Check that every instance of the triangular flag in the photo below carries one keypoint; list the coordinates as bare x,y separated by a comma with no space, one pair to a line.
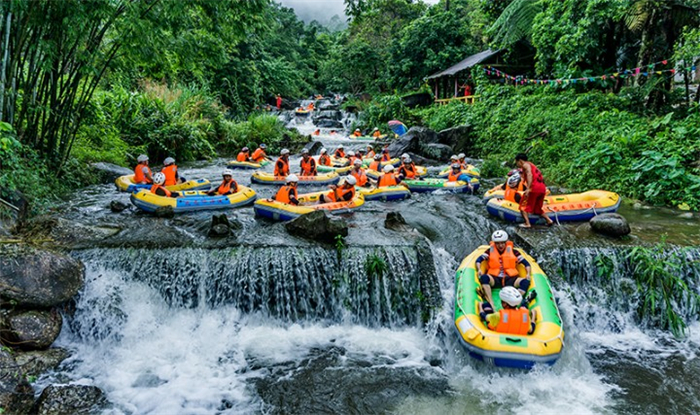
664,62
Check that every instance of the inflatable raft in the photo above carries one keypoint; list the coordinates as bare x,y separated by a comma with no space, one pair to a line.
192,201
497,192
126,184
373,174
394,162
339,170
272,209
367,137
301,112
469,170
339,161
544,345
384,194
432,185
561,208
260,177
247,164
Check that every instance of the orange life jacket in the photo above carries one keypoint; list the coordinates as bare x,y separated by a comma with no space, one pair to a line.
170,173
157,186
452,177
387,179
259,155
284,171
370,154
375,165
386,157
226,187
360,176
283,194
507,260
308,168
325,160
351,160
317,132
357,134
514,321
139,176
409,170
509,193
337,194
339,153
376,134
242,156
310,107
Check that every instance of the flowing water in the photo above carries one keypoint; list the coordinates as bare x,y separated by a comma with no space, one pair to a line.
172,322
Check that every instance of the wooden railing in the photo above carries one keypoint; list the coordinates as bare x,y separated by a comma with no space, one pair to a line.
467,100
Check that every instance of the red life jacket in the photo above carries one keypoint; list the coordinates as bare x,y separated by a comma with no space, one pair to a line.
409,170
139,176
308,167
170,173
284,170
242,156
360,176
507,260
339,153
514,321
224,187
387,179
325,160
453,177
159,186
259,155
283,194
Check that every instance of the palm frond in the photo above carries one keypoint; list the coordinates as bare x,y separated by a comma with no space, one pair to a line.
515,23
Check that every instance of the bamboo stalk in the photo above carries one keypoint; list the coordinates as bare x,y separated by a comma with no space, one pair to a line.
3,76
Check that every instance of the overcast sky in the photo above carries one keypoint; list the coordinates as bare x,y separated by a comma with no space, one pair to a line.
321,10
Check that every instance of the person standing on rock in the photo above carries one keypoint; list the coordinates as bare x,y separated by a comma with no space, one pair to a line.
278,98
307,164
282,164
534,194
142,173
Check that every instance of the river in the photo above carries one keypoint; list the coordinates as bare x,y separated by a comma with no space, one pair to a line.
268,323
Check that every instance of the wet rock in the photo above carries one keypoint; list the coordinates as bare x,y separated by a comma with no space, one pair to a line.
611,224
70,399
219,230
326,123
118,206
14,207
314,147
317,226
16,394
686,215
32,329
33,277
460,138
328,115
109,172
67,233
164,212
395,221
414,140
420,99
325,105
290,104
437,151
37,362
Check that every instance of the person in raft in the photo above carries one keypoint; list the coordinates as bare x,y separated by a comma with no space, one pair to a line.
533,196
307,164
376,133
357,133
317,131
288,192
359,173
502,266
324,159
385,155
228,186
259,154
142,173
408,167
456,175
244,155
389,178
159,189
370,152
514,316
339,152
376,164
172,175
343,193
453,159
282,164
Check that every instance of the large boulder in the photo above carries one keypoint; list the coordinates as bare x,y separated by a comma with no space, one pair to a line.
109,172
325,105
419,99
118,206
317,226
314,147
611,224
16,394
68,233
31,329
396,222
413,141
71,399
37,362
460,138
36,278
14,208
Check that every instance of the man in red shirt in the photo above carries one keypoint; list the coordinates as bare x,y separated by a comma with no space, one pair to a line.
533,196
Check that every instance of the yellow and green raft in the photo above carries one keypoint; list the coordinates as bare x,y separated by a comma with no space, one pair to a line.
384,194
272,209
544,345
468,169
260,177
234,164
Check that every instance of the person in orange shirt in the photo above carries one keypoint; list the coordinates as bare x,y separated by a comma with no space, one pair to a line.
172,175
352,157
376,164
324,159
142,173
307,164
259,154
310,107
357,133
244,155
385,155
228,186
342,193
376,133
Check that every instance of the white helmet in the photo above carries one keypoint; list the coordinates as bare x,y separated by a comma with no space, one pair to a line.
305,151
511,296
357,129
369,146
377,156
499,236
404,155
244,149
284,151
514,180
227,172
351,180
388,168
357,162
406,159
351,153
462,155
323,150
159,178
142,158
341,146
456,165
376,129
454,157
292,178
168,161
